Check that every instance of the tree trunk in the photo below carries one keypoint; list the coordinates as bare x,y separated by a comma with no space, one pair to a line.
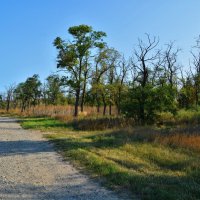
98,104
197,98
104,109
119,102
8,105
76,102
83,96
142,110
110,109
98,108
23,107
104,105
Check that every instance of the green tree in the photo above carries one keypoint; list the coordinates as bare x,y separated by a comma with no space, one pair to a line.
73,56
187,94
54,93
28,92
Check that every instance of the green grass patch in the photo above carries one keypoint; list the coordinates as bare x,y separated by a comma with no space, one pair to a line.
44,124
128,159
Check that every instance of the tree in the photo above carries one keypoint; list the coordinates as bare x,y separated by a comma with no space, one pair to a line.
170,63
187,94
9,95
54,93
98,80
154,86
144,61
112,62
195,69
73,56
28,92
121,75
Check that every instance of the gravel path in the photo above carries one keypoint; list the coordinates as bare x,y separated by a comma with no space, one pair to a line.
30,169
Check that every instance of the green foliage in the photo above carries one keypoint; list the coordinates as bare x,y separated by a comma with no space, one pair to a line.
28,92
73,57
187,95
143,103
55,95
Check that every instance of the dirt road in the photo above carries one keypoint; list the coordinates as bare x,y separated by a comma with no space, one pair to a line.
31,169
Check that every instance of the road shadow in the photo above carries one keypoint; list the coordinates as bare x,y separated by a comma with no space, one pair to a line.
8,120
24,147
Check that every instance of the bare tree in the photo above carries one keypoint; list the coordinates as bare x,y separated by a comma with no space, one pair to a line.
145,56
9,94
171,66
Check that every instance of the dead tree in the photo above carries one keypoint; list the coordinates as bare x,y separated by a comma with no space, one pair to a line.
9,94
171,66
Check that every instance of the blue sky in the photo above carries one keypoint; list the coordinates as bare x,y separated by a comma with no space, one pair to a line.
28,28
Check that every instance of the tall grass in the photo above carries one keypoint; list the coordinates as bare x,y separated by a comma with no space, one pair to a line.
57,110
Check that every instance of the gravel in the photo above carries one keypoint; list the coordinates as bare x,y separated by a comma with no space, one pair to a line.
31,169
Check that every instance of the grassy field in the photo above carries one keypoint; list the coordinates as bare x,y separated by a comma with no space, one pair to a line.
151,163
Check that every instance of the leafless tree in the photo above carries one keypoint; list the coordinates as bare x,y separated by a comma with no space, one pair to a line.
171,66
9,94
145,56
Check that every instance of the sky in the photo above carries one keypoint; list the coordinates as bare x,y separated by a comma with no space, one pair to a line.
29,27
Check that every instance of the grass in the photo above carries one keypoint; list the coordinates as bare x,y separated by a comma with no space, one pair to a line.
151,164
43,124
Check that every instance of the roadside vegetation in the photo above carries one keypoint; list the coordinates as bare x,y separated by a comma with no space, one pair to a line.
152,163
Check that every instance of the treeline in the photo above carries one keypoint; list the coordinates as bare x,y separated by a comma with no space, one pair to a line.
91,73
32,92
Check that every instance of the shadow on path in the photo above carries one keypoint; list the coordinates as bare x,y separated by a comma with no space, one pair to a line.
24,147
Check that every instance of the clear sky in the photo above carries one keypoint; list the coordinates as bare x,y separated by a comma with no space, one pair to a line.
28,28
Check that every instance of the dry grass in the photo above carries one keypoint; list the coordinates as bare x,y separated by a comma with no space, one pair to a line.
179,140
101,123
87,120
185,137
59,111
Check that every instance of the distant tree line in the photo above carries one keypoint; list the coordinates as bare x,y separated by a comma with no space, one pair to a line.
91,73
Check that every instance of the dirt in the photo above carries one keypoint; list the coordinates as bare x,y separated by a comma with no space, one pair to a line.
31,169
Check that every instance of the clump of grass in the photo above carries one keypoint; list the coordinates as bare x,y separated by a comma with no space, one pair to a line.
165,118
182,117
184,140
188,117
101,123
